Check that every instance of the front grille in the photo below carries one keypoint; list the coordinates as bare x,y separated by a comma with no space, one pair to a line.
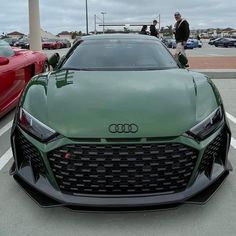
213,152
122,169
28,155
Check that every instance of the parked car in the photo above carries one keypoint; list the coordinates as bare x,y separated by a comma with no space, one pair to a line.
10,41
196,43
189,44
22,43
199,43
17,66
65,43
51,44
213,40
119,124
169,42
225,42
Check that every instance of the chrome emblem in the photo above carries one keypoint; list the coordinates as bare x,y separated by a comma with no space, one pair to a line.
123,128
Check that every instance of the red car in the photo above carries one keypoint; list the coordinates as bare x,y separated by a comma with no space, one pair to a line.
17,66
51,44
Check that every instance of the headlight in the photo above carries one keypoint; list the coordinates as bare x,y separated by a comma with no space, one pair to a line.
206,127
34,127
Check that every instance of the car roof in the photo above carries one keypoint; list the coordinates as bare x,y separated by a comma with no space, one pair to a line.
119,36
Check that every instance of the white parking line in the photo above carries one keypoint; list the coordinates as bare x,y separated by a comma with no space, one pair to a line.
5,158
232,118
6,127
233,142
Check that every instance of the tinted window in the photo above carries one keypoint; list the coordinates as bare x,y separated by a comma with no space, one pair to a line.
120,54
5,49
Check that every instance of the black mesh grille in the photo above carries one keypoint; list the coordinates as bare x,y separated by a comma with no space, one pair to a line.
122,169
213,152
28,154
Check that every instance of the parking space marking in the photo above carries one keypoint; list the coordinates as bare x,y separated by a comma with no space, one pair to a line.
233,142
232,118
5,128
5,158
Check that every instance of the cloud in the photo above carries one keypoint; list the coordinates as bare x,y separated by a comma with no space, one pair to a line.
57,16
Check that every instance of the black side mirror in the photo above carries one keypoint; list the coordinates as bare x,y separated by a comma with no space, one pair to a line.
53,60
183,60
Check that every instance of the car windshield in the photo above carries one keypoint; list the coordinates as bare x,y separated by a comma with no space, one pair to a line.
5,49
124,54
23,40
52,40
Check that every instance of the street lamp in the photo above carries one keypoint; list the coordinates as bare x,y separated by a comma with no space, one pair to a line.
86,16
103,13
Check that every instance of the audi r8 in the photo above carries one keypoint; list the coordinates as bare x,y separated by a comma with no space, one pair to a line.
120,124
17,66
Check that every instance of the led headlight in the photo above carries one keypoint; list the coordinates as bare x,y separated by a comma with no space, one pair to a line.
34,127
206,127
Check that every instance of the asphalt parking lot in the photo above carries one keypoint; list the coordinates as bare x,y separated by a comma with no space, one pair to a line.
21,216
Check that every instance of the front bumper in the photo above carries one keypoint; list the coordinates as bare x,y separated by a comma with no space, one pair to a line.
43,186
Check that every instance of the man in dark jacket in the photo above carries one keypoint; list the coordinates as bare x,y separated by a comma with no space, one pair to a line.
153,30
144,30
181,31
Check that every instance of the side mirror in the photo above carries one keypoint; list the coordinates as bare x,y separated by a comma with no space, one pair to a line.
183,60
53,60
4,61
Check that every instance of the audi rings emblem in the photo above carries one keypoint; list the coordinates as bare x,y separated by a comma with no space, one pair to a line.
123,128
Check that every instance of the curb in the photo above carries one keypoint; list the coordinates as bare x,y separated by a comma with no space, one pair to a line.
218,74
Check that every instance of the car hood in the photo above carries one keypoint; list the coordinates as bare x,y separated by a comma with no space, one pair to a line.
85,103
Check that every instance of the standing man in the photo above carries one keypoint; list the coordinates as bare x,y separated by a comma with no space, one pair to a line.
144,30
181,31
153,30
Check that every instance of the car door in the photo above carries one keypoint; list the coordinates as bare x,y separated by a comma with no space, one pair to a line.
11,78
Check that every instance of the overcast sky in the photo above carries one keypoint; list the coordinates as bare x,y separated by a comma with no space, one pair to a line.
60,15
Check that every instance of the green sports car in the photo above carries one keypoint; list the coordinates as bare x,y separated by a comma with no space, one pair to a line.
119,124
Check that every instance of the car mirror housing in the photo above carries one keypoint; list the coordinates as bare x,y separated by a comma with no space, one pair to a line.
54,59
4,61
182,59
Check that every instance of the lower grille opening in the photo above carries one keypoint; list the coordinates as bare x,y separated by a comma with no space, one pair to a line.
214,152
28,155
122,169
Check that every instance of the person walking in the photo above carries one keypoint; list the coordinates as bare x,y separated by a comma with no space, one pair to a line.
144,30
181,32
153,30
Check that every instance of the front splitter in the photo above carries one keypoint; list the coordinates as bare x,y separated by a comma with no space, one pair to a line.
46,202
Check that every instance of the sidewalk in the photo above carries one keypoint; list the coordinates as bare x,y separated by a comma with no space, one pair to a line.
223,67
222,62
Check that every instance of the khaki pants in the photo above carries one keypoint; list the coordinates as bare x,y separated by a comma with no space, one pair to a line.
179,48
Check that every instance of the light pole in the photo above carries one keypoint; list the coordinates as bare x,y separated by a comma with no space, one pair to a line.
34,25
103,13
86,16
